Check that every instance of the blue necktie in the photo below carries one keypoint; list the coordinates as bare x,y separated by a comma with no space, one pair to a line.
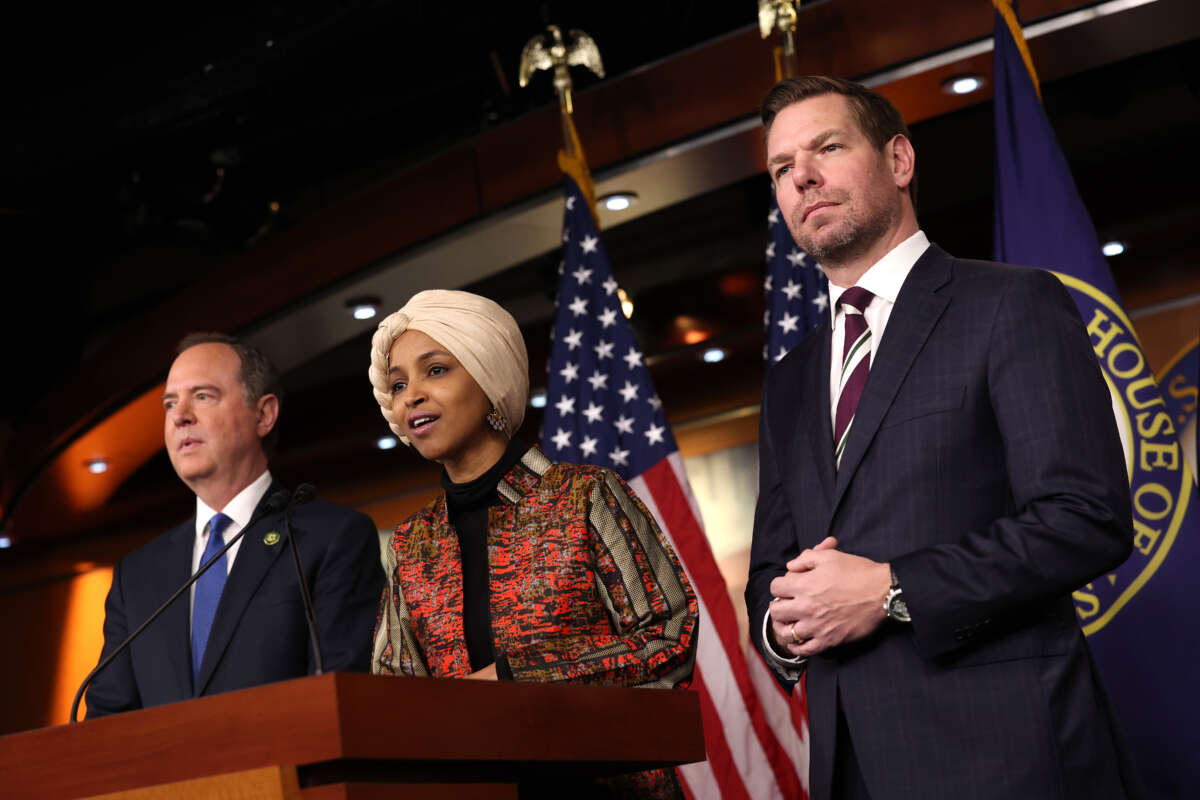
208,590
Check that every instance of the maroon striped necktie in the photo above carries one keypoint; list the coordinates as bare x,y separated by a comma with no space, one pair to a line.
856,363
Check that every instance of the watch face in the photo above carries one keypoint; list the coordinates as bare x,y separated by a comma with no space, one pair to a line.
898,609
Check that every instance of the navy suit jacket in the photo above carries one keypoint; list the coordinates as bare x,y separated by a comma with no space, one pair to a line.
259,634
984,463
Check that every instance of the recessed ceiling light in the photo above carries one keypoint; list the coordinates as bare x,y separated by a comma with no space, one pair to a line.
97,466
618,201
5,542
963,84
1113,248
538,399
714,354
363,307
387,442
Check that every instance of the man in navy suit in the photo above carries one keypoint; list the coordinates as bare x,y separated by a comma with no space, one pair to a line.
243,623
939,470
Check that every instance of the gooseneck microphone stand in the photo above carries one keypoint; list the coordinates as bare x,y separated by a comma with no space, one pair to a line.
304,492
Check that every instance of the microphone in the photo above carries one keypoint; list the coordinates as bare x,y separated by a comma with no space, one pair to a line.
304,492
277,502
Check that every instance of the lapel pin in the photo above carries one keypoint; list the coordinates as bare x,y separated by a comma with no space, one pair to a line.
271,538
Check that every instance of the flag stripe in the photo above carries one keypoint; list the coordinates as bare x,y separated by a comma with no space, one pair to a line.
720,758
698,781
776,703
750,761
676,516
799,707
787,714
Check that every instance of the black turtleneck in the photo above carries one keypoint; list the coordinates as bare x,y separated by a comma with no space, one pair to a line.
467,506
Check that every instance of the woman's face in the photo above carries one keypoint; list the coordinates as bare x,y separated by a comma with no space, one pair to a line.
435,400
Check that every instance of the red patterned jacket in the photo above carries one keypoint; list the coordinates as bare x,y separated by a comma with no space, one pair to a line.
584,586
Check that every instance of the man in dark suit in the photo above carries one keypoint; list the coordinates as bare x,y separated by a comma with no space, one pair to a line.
243,623
939,470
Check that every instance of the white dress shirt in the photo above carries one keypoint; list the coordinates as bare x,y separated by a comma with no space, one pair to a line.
883,279
239,510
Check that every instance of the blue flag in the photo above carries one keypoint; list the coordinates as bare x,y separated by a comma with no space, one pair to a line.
796,289
1139,619
1180,382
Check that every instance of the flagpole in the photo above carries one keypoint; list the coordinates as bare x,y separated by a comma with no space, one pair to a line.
550,50
796,289
1005,9
780,15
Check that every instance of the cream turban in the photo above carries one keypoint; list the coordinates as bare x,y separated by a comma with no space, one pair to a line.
478,332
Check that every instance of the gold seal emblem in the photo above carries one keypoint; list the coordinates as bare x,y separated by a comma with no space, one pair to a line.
1160,479
271,538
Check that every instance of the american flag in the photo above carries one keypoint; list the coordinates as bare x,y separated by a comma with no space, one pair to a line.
601,408
796,289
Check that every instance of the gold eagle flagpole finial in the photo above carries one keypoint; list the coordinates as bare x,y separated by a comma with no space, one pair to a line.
780,15
550,50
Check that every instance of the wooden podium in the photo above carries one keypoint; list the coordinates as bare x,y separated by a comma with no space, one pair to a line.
359,737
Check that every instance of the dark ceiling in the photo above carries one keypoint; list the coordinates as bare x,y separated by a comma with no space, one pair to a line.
118,121
111,198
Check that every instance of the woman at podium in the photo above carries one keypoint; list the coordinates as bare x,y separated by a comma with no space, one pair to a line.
521,569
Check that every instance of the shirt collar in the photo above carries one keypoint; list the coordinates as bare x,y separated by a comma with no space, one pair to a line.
240,509
885,277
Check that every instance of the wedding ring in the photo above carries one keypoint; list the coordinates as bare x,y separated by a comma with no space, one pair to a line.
795,638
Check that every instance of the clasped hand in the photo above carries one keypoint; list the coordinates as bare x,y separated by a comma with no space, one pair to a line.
827,598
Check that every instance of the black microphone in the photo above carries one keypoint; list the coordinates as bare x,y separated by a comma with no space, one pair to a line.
275,503
304,492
